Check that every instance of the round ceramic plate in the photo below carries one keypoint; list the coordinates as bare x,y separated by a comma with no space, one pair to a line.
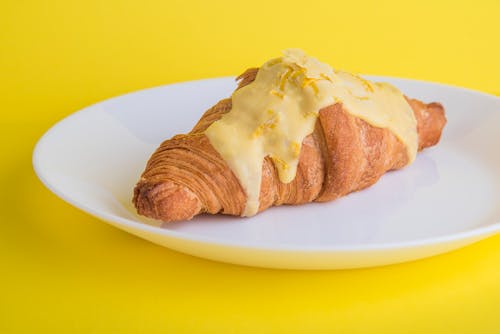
447,199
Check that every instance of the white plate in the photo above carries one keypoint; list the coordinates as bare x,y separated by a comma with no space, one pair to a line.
447,199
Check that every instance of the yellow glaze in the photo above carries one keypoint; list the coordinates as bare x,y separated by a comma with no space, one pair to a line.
272,115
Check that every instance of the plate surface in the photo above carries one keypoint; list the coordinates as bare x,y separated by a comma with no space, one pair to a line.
447,199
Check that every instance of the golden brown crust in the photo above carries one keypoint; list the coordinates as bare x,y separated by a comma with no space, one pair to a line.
186,176
430,122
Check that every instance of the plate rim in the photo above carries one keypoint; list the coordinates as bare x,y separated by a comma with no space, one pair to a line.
479,232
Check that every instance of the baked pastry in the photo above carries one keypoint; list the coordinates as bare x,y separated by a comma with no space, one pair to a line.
294,131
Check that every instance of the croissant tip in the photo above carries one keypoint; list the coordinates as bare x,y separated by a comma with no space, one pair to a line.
166,201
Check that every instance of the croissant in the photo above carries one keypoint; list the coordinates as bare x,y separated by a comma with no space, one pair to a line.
186,176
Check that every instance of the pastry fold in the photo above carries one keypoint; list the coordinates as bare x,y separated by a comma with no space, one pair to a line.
186,176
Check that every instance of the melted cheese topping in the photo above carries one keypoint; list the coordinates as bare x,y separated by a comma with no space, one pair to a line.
272,115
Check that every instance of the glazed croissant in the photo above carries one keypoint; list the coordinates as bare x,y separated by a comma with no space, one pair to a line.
186,176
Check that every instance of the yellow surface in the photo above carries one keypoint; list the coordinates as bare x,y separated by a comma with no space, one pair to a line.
62,271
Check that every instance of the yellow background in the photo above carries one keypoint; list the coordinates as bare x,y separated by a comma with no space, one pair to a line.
64,271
